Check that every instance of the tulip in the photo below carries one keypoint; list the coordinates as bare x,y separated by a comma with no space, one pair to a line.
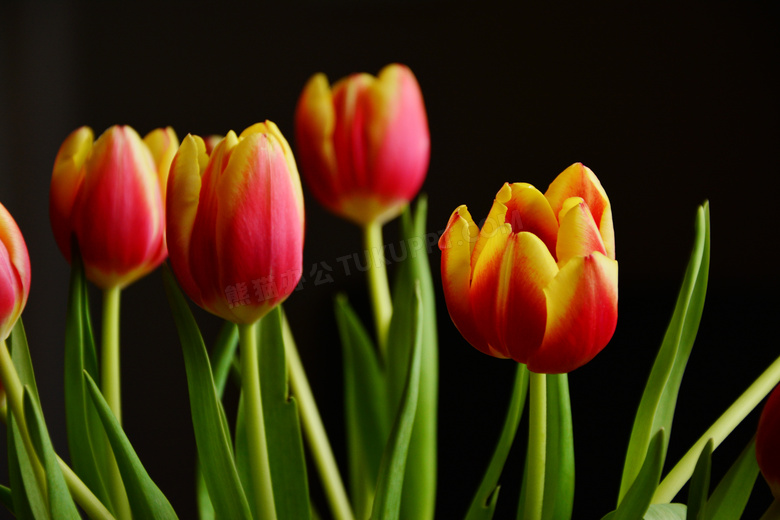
767,438
363,144
109,194
538,282
236,223
14,274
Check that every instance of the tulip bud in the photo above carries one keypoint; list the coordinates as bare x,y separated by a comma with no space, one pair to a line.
363,145
14,273
109,194
235,222
538,282
768,442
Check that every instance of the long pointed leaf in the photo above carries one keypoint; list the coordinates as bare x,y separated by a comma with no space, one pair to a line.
365,406
699,488
729,499
28,498
146,499
484,503
656,409
282,426
61,504
211,436
6,499
391,473
637,500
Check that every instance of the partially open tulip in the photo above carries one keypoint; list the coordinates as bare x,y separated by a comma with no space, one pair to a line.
14,274
768,442
236,223
109,194
538,282
363,144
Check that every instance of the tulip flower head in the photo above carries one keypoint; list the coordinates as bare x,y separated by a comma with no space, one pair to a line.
768,442
363,144
538,282
14,274
109,194
236,222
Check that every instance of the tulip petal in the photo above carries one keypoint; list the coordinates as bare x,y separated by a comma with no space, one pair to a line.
528,210
14,273
578,235
66,181
579,181
456,244
581,314
162,143
767,449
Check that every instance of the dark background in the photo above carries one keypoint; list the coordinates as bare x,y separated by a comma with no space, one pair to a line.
669,105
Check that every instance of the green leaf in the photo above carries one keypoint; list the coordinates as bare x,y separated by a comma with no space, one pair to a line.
637,500
282,426
483,505
146,499
729,499
391,472
6,499
656,409
20,354
86,440
211,435
365,406
699,487
666,512
61,504
29,501
419,494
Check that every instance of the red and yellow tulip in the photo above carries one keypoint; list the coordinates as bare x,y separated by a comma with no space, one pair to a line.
236,222
14,274
363,144
538,282
768,442
109,194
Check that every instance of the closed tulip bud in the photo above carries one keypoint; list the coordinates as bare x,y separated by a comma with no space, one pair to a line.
14,274
109,194
768,442
538,282
236,223
363,144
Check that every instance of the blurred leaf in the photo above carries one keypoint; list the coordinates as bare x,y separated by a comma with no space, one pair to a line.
86,441
282,426
146,499
391,472
666,512
20,354
28,499
656,409
61,505
419,493
483,505
699,486
6,499
729,499
211,435
637,500
365,406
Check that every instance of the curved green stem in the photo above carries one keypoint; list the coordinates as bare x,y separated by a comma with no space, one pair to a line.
537,447
110,374
379,287
315,433
719,430
773,513
260,469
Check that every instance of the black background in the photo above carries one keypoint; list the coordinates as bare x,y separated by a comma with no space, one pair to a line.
669,105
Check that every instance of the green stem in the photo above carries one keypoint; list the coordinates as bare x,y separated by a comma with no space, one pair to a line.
83,495
537,447
315,433
377,281
260,469
720,429
110,376
773,513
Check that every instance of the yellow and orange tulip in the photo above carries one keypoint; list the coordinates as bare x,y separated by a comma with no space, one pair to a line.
363,144
14,274
109,194
538,282
236,222
767,442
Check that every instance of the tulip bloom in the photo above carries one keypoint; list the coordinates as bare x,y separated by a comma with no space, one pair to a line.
363,145
14,274
538,282
767,442
109,194
236,223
